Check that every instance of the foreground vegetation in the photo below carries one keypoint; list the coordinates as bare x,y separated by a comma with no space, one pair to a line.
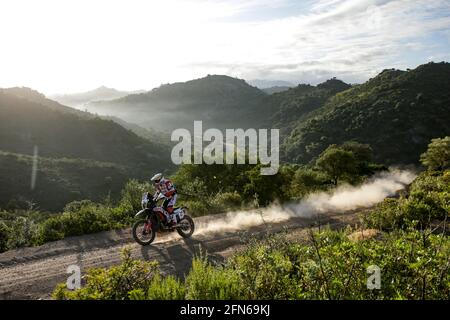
328,265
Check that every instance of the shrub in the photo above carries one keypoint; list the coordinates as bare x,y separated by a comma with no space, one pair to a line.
24,233
51,230
168,288
90,218
4,236
386,215
226,201
207,282
428,201
306,181
114,283
265,273
120,216
82,217
197,208
268,188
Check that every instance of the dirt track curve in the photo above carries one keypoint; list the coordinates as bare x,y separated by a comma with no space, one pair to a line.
32,273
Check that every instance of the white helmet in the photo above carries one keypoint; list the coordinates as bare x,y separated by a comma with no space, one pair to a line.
157,177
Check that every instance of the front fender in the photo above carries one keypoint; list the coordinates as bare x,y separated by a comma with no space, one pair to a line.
146,211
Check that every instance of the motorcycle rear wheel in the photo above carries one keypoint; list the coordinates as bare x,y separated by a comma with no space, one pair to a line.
140,235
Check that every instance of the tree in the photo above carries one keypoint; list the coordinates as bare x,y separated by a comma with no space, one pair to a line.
437,156
337,163
268,188
363,152
306,180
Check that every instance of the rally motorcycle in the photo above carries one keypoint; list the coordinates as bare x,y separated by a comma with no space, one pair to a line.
152,219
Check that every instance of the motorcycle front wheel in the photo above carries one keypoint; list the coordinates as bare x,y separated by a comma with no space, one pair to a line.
142,233
186,227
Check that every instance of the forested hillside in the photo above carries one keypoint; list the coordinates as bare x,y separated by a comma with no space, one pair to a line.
80,156
58,181
24,124
397,113
296,104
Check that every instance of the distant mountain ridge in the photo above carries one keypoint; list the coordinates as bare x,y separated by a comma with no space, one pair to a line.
219,101
265,84
37,97
275,89
78,100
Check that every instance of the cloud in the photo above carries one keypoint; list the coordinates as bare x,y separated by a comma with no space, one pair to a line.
351,39
78,45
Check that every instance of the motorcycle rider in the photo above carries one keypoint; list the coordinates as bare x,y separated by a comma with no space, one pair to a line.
166,187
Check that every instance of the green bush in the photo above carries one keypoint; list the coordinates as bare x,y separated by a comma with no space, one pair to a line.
264,272
428,201
114,283
168,288
205,282
221,202
197,208
90,218
25,232
306,181
386,215
120,216
4,236
224,201
337,163
51,230
83,217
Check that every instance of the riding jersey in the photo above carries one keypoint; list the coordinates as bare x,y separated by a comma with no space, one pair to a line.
166,187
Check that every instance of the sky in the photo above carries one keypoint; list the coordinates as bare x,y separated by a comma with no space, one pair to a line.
65,46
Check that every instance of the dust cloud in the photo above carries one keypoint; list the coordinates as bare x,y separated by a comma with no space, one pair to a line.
342,199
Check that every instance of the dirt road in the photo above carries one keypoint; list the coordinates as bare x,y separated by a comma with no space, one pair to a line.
32,273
